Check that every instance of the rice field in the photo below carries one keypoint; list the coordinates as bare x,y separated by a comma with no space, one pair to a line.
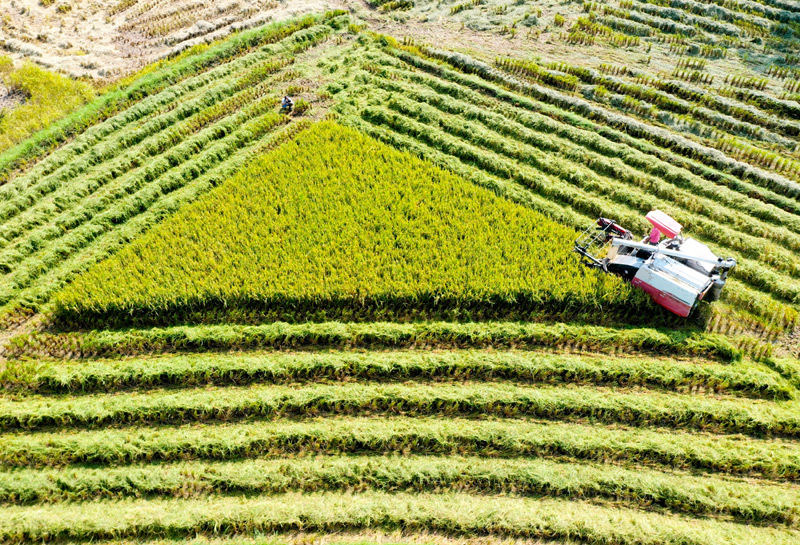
362,322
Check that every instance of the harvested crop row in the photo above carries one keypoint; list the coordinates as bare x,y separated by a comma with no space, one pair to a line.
198,369
642,488
658,136
346,537
468,399
773,459
375,335
454,514
666,94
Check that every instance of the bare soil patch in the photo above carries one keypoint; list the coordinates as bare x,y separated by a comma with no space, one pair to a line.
105,40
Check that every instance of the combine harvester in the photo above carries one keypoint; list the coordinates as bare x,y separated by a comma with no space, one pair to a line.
677,273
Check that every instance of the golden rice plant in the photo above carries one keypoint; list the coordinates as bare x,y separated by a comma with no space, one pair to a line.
337,225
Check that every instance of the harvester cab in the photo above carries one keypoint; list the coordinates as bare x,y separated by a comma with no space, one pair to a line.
677,272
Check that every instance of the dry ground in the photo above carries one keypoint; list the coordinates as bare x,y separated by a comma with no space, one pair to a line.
106,39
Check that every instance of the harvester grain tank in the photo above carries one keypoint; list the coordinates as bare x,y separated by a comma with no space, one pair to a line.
677,272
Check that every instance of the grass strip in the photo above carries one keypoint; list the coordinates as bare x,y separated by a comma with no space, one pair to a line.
375,335
641,488
476,400
430,436
452,514
186,370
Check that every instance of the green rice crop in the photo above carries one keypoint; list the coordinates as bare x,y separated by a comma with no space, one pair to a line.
274,367
323,236
374,335
452,514
789,368
643,488
775,459
536,410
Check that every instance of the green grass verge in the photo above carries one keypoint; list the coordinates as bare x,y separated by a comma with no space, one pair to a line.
48,97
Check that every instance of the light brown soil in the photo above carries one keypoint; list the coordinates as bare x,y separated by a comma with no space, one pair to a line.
107,39
102,40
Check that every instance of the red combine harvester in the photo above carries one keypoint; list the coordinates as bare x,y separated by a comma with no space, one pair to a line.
677,273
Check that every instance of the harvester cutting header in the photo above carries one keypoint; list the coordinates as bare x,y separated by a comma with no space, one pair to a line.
677,273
